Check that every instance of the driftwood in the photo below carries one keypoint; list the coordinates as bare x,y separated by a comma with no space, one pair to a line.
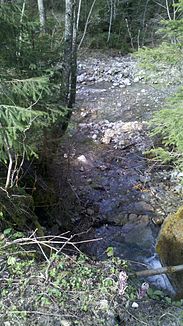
158,271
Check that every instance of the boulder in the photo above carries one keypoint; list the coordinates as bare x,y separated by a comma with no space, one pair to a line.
170,247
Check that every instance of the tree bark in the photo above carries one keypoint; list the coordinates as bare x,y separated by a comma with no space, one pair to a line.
42,15
65,87
87,22
72,11
73,81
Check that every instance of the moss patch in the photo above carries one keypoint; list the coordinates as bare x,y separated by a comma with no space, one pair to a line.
170,245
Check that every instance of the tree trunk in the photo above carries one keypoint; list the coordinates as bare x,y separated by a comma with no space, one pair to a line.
73,81
70,53
67,50
42,15
87,23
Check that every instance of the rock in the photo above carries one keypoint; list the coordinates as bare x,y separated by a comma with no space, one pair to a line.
133,217
115,84
90,211
158,220
143,207
136,79
126,82
82,159
65,323
94,136
106,139
135,305
103,167
118,219
169,246
139,235
81,78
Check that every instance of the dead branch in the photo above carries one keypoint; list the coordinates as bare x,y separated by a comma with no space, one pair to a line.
158,271
53,243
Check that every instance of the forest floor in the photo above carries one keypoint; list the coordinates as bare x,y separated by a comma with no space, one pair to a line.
110,191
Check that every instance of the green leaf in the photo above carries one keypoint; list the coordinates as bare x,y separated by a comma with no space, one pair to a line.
11,260
7,231
110,252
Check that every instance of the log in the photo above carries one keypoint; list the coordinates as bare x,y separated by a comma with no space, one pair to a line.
158,271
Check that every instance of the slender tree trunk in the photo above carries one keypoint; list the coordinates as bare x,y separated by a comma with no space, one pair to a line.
110,20
78,13
42,15
73,81
65,87
87,22
21,20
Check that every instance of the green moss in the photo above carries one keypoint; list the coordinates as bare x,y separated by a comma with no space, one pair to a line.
170,245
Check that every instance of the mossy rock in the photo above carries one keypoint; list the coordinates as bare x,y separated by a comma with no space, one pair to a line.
170,246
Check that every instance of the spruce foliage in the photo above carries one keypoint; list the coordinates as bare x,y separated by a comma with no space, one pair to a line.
29,101
168,122
27,85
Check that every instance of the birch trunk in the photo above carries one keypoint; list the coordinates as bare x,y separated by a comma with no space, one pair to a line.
42,15
67,49
73,81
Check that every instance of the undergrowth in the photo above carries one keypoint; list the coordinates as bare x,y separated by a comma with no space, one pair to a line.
68,290
166,125
62,288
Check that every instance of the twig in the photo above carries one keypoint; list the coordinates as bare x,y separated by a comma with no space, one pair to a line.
40,247
141,321
50,242
39,313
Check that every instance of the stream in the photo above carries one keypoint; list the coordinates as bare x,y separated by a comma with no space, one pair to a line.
121,196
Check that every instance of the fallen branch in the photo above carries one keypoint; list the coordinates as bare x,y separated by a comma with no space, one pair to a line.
158,271
53,243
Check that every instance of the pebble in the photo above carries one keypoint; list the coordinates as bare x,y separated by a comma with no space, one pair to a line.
120,74
65,323
82,159
135,305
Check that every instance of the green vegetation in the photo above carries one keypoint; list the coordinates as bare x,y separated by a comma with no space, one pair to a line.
30,102
40,282
41,287
63,287
166,124
124,25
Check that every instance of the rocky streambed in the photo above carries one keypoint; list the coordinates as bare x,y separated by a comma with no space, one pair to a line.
120,195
